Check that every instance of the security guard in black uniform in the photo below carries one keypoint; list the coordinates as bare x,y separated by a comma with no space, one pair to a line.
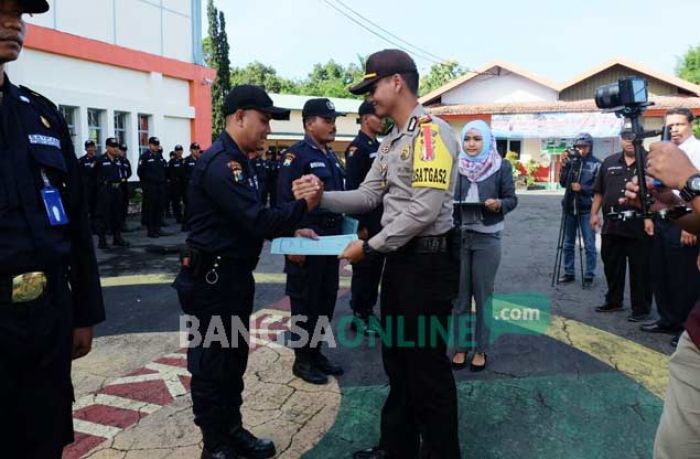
152,173
109,173
274,163
312,282
358,161
87,172
176,182
50,292
262,171
228,226
189,165
126,173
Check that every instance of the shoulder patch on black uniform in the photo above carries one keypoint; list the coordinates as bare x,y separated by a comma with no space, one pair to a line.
289,159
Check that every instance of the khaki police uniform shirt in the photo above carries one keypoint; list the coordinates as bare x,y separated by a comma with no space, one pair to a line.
414,179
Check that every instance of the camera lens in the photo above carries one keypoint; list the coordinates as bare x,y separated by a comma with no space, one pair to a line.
608,96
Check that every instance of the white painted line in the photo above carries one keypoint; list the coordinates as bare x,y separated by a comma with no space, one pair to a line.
176,355
97,430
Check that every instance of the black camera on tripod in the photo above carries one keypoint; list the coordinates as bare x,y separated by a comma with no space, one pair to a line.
627,94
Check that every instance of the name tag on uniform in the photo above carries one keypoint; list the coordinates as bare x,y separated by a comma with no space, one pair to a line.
37,139
150,160
54,206
317,165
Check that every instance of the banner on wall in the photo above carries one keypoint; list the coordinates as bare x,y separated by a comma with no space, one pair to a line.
555,125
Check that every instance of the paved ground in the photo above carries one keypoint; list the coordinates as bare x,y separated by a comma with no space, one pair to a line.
589,386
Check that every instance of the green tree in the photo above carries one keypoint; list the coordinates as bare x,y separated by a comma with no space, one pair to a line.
331,79
218,59
689,67
440,74
265,76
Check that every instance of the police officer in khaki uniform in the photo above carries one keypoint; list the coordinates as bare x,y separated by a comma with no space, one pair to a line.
414,175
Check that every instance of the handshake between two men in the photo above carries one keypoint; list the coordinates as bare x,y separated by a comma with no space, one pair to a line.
310,188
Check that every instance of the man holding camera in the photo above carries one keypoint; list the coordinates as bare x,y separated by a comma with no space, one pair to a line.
578,171
675,278
679,427
623,239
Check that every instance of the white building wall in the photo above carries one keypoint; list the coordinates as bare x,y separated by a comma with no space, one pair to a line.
84,85
162,27
506,88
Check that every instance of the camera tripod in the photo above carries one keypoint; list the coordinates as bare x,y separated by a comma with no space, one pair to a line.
574,176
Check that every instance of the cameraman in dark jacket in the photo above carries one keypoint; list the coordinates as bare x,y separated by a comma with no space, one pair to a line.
578,173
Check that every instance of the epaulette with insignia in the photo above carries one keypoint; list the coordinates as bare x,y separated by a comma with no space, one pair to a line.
40,97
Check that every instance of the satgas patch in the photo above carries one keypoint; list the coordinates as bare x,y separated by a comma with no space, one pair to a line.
432,163
288,159
237,170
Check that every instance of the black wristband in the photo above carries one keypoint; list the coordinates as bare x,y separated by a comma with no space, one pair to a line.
367,249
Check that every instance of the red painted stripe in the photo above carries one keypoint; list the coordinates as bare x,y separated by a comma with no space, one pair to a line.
154,392
83,444
180,363
108,416
142,371
187,382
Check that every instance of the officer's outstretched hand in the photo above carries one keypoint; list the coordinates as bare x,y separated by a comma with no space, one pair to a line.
353,252
82,342
306,232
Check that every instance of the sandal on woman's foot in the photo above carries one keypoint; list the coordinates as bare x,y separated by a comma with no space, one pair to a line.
476,368
459,365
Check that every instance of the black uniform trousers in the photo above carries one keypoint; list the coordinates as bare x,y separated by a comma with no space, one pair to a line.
422,403
675,276
153,205
110,209
125,203
312,290
90,194
176,194
364,287
217,368
616,251
36,393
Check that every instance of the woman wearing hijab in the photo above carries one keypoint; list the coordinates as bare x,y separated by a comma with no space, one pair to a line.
484,193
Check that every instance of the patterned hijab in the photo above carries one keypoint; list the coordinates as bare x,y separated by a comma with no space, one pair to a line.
487,162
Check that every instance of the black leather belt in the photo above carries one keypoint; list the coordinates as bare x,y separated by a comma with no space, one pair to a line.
203,263
426,244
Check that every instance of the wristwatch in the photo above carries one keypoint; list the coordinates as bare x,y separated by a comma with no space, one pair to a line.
367,249
691,190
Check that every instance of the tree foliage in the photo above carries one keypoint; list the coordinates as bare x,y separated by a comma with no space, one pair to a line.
439,75
217,56
689,67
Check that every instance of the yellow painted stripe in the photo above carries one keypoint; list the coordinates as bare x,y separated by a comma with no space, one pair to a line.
156,279
646,366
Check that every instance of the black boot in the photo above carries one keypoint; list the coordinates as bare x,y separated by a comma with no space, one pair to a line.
249,446
222,452
305,369
119,241
217,445
327,367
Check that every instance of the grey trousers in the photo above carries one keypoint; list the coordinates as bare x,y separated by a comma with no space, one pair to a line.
481,255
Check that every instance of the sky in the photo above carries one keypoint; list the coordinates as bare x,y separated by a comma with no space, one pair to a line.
555,39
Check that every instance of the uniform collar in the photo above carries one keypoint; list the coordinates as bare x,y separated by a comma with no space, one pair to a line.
309,141
232,148
367,139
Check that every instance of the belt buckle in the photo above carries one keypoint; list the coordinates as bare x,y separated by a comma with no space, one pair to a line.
28,286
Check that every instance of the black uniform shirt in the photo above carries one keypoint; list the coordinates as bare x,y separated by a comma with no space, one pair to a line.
152,168
176,170
226,215
610,182
124,168
358,161
87,168
34,137
107,171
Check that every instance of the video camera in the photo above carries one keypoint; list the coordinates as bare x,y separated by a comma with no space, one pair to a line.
629,98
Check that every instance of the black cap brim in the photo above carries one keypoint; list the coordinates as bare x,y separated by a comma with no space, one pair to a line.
276,113
364,86
34,6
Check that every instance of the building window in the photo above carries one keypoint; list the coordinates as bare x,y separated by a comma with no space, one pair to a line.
96,128
70,115
144,132
121,121
506,145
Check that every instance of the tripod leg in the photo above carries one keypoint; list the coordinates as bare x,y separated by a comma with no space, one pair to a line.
560,247
579,237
